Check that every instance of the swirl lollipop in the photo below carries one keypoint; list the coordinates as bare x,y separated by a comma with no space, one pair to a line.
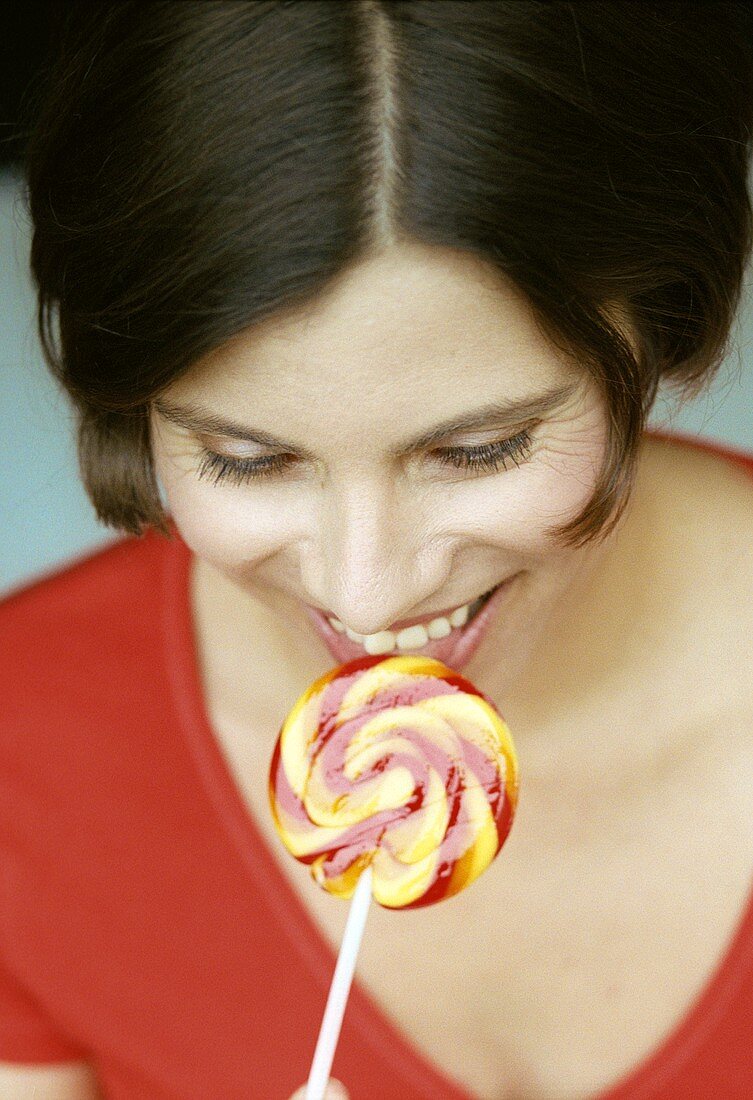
398,763
394,776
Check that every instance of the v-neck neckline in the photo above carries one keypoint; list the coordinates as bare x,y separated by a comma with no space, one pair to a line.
375,1029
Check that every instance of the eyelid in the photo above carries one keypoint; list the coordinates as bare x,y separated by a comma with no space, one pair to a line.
224,448
493,437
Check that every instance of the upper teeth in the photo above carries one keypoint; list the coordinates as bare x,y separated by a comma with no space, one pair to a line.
412,637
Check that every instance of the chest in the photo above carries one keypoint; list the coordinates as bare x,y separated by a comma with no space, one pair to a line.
583,945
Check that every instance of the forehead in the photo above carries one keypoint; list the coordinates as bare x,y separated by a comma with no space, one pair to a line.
428,330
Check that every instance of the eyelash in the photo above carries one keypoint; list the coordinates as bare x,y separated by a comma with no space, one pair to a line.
488,456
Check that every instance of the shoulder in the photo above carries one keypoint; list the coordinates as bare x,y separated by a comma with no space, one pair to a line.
696,508
83,686
90,582
703,481
62,632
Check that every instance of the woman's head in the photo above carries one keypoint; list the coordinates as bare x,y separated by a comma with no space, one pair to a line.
201,173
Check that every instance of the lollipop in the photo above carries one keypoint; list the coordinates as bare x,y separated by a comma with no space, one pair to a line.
400,764
393,776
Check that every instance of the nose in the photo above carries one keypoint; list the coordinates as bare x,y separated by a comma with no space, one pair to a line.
374,558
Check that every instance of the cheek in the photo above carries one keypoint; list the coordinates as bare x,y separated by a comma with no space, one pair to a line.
234,527
553,488
231,536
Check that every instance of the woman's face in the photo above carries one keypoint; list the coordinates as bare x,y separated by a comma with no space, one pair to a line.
355,511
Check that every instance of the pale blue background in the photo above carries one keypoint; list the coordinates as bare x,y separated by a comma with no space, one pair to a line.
45,516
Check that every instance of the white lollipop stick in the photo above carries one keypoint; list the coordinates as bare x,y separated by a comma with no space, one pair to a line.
332,1020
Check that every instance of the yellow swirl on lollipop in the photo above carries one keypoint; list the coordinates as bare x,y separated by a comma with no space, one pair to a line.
399,763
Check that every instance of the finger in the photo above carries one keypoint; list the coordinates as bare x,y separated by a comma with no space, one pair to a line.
335,1091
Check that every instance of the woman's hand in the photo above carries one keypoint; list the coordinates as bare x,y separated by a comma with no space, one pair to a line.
335,1091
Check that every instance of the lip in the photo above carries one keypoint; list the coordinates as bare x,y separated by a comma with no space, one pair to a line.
455,650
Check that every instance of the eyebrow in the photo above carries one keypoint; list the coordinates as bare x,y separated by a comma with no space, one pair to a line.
504,413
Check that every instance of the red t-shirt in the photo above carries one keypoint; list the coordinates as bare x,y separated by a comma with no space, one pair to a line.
144,924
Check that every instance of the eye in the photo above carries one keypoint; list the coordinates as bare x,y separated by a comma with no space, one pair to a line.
219,468
488,456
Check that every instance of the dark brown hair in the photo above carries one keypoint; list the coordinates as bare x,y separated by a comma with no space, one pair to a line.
196,168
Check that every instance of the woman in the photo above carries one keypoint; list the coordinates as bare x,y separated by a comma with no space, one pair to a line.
364,306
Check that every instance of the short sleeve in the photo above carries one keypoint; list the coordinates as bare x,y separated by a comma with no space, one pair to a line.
26,1033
